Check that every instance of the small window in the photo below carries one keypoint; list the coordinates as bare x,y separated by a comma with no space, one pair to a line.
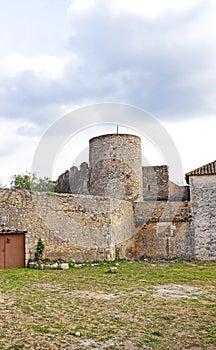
149,187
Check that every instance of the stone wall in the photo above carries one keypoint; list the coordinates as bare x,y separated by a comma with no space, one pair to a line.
178,193
161,211
166,240
73,227
74,180
78,227
155,182
203,205
116,166
163,231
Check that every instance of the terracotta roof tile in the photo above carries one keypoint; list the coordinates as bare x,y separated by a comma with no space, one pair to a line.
207,169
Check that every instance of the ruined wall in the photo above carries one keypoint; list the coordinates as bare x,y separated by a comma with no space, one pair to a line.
178,193
203,205
163,231
74,180
155,182
72,227
116,166
162,211
78,227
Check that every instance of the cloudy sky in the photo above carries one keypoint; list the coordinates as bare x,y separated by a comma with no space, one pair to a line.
57,56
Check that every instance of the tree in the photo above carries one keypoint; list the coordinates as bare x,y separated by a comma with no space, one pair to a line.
29,181
43,185
22,182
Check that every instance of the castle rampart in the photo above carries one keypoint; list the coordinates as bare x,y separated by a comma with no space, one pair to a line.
78,227
133,212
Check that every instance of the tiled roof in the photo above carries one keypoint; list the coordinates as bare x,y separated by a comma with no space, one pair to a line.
207,169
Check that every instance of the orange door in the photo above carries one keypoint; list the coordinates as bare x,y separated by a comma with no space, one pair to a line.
2,252
12,251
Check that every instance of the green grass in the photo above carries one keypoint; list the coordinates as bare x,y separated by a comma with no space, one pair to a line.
145,305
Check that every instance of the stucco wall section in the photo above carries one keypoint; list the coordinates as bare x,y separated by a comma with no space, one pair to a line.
203,204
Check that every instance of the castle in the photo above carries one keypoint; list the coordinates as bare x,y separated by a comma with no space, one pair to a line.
116,208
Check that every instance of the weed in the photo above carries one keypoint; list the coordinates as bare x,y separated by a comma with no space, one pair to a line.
40,329
39,250
16,347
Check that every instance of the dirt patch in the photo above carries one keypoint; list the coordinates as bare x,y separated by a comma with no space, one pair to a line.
93,295
99,295
177,291
168,291
5,302
47,287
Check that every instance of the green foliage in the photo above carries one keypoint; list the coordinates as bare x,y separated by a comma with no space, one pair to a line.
39,250
21,182
40,329
29,181
16,347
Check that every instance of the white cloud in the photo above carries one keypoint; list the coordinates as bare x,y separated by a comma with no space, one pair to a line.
16,149
149,9
158,55
154,8
80,5
195,140
42,65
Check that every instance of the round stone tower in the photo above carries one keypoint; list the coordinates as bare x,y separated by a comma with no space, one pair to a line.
115,162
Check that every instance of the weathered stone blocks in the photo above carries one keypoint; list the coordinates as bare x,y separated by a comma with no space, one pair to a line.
116,166
203,204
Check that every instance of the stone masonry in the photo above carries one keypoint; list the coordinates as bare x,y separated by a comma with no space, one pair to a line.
118,209
115,162
72,227
203,205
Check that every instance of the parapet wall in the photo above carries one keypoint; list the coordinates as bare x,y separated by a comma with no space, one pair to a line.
74,180
155,183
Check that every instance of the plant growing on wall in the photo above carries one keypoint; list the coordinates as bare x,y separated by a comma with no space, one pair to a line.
39,250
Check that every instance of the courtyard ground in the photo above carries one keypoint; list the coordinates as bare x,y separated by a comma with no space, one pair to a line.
144,305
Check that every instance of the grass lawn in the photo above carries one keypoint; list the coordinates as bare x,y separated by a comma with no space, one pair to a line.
145,305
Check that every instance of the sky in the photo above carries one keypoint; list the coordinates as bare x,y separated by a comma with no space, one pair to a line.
59,56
